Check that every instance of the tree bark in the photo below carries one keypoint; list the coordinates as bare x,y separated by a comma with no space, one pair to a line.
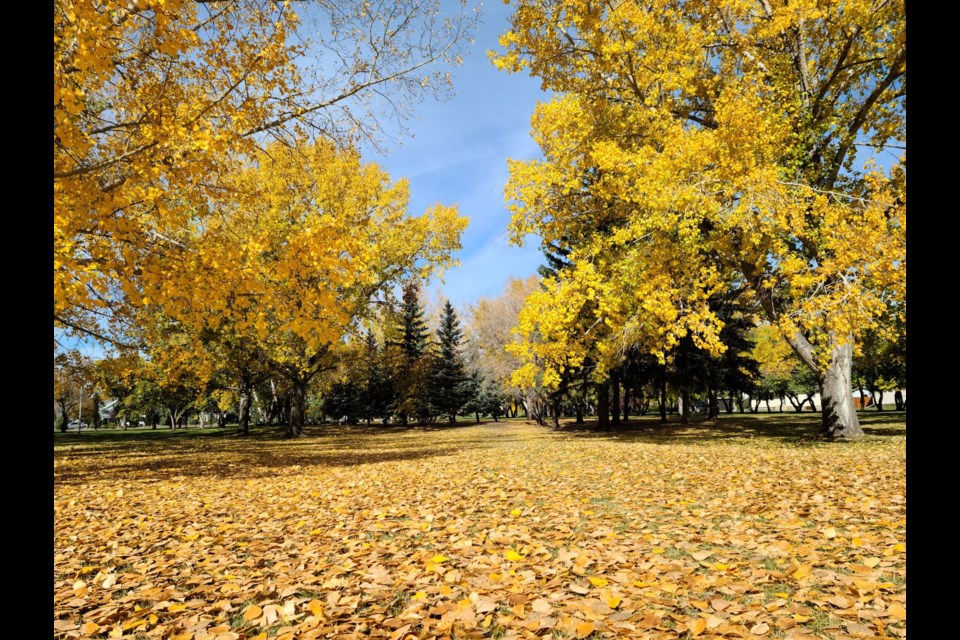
246,391
298,398
878,399
603,405
840,420
626,402
684,405
615,399
663,393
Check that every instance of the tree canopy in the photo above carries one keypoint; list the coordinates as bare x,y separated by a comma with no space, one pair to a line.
691,145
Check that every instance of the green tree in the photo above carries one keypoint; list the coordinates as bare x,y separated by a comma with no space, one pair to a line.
450,386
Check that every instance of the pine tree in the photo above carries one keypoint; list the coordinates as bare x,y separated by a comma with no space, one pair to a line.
376,390
415,332
412,396
450,386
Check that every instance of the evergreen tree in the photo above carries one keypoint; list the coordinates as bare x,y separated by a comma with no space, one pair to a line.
450,386
415,332
376,390
412,369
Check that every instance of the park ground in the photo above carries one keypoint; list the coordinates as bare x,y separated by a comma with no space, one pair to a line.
746,527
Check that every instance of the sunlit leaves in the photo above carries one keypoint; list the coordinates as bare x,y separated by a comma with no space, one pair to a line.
688,146
357,529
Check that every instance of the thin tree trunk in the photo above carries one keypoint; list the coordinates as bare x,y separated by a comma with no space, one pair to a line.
626,402
663,393
684,405
878,399
246,393
615,399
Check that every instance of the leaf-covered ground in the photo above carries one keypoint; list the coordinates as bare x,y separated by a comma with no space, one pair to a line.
738,529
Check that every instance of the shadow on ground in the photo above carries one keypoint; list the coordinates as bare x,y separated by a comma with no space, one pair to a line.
792,428
222,453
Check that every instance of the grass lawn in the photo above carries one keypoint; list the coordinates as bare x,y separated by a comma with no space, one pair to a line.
743,527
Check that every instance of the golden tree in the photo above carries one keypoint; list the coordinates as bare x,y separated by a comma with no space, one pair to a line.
156,101
311,239
691,145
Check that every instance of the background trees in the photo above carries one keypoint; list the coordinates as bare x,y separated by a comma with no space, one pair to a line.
690,146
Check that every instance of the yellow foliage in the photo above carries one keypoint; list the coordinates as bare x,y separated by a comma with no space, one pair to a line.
690,146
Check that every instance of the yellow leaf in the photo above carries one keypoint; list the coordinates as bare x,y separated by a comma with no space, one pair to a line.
830,532
697,627
871,562
439,559
584,629
896,611
613,602
513,556
599,582
173,608
516,512
252,613
89,628
316,608
802,572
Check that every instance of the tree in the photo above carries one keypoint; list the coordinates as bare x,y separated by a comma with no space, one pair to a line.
156,104
689,146
376,388
311,239
450,386
412,363
490,331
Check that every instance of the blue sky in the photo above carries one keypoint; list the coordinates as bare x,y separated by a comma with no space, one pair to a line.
458,154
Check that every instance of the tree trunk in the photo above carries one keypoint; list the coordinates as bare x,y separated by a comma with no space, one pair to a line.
712,409
603,405
578,407
898,399
615,399
555,410
684,405
878,399
840,420
298,398
740,402
767,400
246,391
663,393
626,402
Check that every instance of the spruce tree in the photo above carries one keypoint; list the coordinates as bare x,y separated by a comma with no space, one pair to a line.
450,385
412,386
415,332
376,391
